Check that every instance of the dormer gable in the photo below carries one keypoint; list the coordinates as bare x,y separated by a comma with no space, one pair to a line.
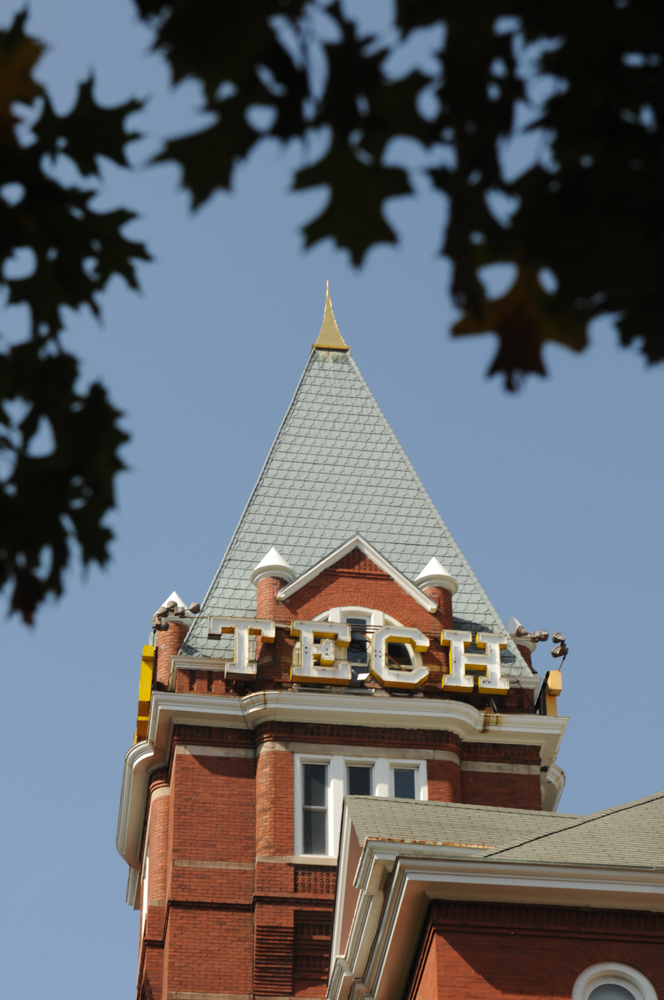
356,574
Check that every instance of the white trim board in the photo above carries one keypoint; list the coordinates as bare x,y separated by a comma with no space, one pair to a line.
357,542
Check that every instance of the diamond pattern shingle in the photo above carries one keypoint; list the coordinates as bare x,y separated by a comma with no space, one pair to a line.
337,469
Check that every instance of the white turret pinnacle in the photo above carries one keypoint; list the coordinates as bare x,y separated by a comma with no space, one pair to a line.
434,574
272,564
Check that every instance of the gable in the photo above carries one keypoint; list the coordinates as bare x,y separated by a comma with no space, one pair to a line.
357,557
355,580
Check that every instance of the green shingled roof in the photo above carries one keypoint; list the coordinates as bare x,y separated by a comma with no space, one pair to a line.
626,836
336,469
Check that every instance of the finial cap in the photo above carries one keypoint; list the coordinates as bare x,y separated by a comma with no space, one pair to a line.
272,564
329,337
434,574
174,599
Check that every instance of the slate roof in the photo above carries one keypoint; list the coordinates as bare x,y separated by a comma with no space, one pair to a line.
337,469
626,836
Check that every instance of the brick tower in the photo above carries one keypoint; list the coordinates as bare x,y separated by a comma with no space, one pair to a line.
345,647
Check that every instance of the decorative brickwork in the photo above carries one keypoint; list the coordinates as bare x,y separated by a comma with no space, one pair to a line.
549,919
213,736
158,777
273,961
311,952
360,735
315,881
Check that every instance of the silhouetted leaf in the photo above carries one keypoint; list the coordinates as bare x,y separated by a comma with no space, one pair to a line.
353,217
51,502
87,132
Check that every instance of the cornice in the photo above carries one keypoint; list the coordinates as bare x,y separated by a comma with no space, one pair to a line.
170,708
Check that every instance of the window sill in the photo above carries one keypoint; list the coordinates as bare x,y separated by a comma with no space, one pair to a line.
296,859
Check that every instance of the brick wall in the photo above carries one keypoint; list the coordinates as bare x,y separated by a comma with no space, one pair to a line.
485,952
168,645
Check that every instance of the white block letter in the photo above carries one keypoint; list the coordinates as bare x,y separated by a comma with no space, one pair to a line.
317,659
380,669
241,629
488,662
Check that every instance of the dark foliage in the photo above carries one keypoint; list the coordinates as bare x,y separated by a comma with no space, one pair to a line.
581,224
49,503
584,225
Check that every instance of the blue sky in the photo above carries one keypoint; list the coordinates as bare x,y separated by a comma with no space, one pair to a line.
554,495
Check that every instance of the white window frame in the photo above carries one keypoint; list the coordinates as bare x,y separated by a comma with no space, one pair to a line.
616,974
382,782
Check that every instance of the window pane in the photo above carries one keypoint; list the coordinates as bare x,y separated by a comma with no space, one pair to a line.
404,783
399,654
359,780
315,840
610,991
315,779
357,652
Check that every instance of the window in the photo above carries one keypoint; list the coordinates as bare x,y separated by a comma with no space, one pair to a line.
314,800
610,991
404,782
358,780
612,981
358,651
322,782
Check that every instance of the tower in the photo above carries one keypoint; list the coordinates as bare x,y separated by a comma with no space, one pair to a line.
345,647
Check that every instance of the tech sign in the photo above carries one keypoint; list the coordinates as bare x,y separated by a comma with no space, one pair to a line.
318,657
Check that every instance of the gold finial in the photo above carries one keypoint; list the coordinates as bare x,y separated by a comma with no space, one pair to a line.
329,337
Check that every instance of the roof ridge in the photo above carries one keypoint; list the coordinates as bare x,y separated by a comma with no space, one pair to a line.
592,818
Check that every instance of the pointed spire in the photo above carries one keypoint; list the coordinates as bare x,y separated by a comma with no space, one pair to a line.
329,337
272,564
434,574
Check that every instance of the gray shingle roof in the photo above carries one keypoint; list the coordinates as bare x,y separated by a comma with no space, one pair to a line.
336,469
484,827
626,836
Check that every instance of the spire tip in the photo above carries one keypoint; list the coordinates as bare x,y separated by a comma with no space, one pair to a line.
330,338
